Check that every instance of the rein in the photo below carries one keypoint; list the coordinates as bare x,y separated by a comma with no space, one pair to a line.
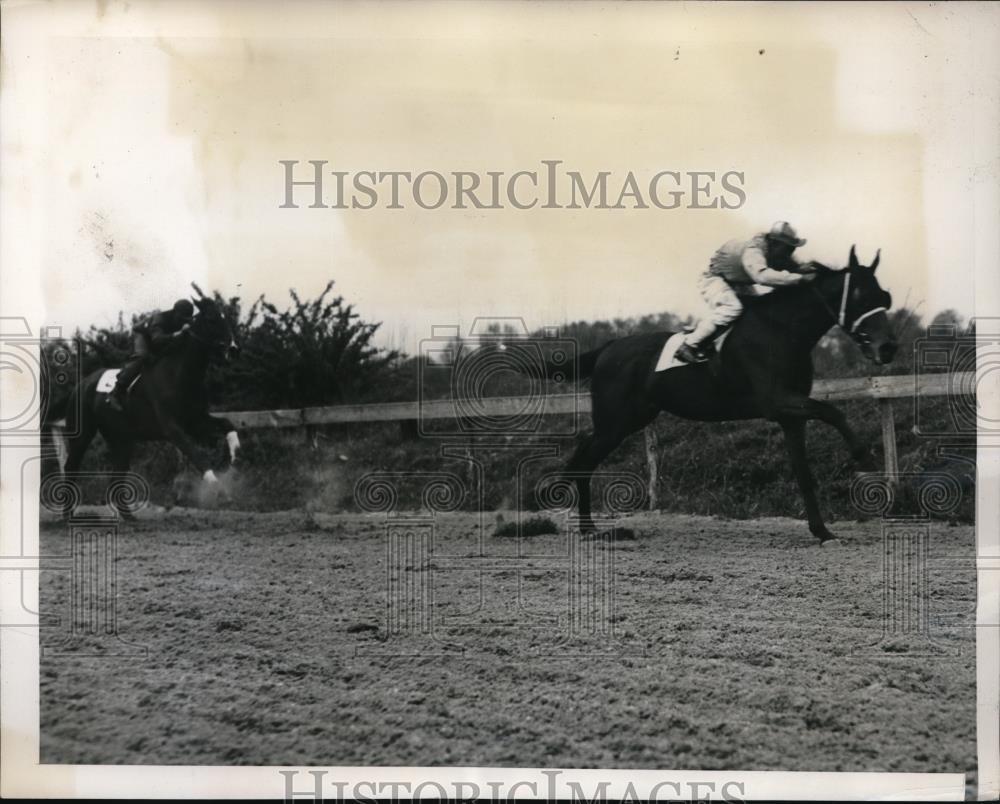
199,338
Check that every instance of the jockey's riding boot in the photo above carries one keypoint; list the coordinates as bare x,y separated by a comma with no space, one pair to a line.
686,353
709,343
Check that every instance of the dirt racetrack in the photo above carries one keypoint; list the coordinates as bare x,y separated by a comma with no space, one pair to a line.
719,645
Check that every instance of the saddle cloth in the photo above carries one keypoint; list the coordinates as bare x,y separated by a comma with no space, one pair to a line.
106,384
667,360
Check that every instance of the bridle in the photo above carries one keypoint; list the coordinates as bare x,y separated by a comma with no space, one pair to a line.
210,342
843,308
841,317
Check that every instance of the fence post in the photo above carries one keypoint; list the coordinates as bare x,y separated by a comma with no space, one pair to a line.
889,439
650,436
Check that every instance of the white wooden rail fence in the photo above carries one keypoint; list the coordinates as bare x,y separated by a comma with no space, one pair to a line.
882,389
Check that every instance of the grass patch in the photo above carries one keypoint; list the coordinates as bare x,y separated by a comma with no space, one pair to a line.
533,526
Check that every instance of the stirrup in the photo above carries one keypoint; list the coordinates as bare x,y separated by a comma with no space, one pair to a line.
686,353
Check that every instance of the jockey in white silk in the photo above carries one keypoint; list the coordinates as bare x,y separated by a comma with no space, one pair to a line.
744,268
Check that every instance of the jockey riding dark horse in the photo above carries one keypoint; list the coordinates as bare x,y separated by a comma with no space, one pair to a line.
167,402
744,270
150,337
763,371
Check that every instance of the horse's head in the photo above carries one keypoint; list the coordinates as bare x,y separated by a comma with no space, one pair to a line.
211,327
862,308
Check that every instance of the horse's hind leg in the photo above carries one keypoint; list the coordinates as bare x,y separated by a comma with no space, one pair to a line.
76,448
119,491
593,449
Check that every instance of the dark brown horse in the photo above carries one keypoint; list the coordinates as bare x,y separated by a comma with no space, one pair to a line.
167,403
763,371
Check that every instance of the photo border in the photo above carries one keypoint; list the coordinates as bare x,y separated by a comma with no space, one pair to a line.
20,772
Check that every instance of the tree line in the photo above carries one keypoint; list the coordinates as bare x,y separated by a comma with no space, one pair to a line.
321,351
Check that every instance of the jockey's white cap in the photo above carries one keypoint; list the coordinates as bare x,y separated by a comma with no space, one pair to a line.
783,231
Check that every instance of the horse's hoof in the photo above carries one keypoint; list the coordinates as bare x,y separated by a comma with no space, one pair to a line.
822,533
833,541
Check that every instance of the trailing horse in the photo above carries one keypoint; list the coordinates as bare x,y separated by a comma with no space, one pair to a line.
167,403
763,371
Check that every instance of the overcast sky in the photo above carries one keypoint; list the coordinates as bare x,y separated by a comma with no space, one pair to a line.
154,132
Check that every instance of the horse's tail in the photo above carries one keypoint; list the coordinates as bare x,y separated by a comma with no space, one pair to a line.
55,407
586,362
560,370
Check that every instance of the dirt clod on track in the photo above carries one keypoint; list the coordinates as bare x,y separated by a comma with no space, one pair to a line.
295,638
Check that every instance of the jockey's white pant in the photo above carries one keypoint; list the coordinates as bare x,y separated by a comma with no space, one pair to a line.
723,304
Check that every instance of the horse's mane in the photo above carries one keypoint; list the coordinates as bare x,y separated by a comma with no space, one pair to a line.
208,308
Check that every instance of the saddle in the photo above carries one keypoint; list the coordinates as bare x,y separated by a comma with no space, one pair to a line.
667,359
109,378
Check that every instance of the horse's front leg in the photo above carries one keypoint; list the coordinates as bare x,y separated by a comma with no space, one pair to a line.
220,425
804,408
795,442
178,436
860,451
211,429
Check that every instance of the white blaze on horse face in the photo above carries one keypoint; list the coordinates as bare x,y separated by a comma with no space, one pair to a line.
210,477
233,440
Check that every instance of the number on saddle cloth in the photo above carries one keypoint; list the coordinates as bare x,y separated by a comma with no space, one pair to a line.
106,384
108,380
